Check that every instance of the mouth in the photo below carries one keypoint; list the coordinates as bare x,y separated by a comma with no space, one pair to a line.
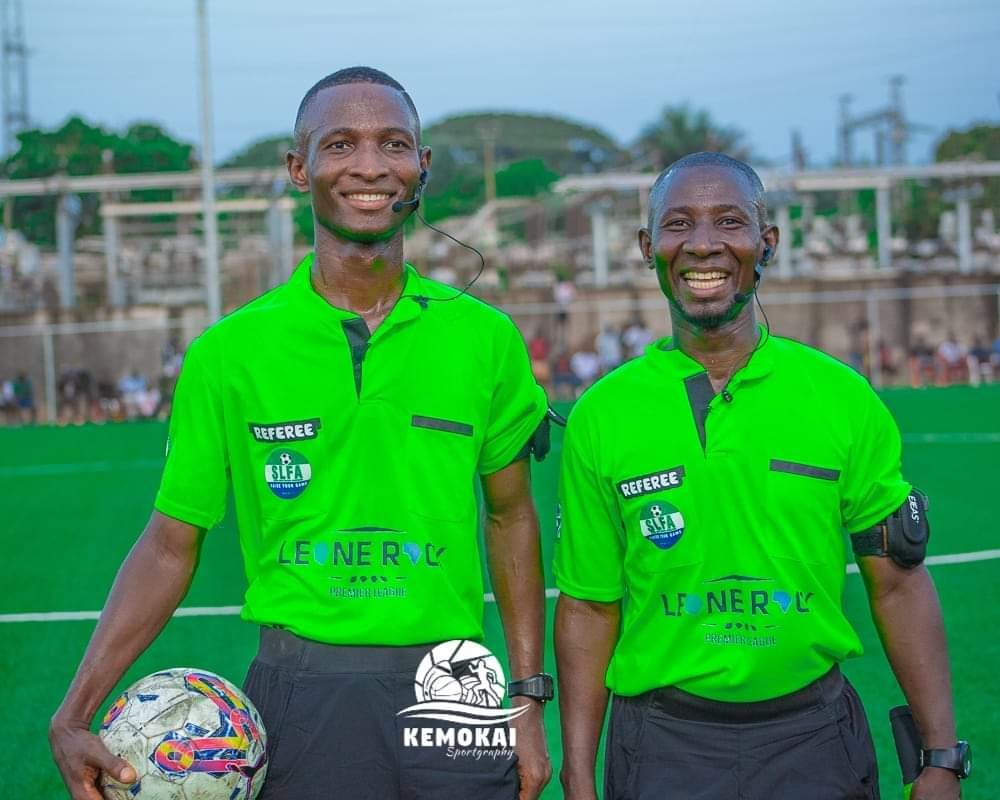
368,201
705,282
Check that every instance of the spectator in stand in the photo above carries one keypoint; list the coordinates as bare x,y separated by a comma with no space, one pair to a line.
8,403
84,396
24,396
951,361
109,401
636,337
132,388
922,366
995,358
564,382
887,362
609,348
564,293
66,392
980,363
586,366
538,349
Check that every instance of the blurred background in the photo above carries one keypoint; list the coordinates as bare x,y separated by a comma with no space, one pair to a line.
876,129
144,194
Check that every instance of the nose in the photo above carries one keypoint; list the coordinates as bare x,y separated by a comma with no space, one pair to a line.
702,242
369,163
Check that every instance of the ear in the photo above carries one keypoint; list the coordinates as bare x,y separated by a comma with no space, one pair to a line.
768,241
425,159
297,174
646,246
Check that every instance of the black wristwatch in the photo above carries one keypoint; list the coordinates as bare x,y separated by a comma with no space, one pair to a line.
958,759
538,687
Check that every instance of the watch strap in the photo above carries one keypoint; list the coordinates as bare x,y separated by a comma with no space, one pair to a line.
950,758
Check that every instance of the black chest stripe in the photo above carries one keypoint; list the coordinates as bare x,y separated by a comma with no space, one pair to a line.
700,394
794,468
357,334
446,425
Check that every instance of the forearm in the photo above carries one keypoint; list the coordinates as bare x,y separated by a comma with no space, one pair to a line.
585,636
515,562
149,586
908,617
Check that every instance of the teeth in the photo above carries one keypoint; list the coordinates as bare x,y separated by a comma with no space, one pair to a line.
705,280
368,196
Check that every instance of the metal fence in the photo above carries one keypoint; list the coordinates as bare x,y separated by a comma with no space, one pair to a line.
880,331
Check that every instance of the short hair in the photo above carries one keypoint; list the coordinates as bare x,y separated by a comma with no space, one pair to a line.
343,77
710,159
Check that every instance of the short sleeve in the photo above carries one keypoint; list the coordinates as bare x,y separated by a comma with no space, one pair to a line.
194,482
517,407
589,552
873,486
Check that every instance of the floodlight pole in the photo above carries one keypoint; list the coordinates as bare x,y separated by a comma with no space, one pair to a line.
209,219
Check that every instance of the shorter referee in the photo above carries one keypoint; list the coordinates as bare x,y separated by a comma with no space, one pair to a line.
705,491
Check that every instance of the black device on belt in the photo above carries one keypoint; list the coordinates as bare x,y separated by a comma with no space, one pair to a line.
538,687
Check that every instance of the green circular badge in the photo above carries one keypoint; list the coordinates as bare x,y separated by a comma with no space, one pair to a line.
287,473
661,523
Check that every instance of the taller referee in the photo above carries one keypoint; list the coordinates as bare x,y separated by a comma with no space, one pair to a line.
705,491
351,410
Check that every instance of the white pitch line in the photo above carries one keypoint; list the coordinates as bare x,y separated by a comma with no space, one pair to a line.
186,611
489,597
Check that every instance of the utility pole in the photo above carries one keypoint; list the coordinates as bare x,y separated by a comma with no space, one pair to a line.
889,124
209,220
15,73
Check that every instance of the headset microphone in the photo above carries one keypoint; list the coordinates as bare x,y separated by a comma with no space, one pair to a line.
399,205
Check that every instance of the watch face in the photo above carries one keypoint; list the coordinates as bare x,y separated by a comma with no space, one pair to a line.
965,751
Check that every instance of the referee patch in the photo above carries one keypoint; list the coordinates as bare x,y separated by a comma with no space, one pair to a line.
295,431
659,481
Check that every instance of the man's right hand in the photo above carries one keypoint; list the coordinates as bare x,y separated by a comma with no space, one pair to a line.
82,757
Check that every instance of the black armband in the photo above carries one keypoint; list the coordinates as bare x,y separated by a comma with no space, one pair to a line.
538,443
902,536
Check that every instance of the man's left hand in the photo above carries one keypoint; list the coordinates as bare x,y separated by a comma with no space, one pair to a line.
933,783
533,766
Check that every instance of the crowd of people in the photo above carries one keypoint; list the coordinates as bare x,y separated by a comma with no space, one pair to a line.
565,372
81,398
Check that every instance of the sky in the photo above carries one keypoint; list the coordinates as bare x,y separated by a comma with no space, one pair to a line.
764,66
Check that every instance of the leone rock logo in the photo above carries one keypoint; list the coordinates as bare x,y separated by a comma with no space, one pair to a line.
287,473
662,524
461,682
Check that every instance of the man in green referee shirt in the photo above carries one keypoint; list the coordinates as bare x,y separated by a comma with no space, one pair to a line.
351,410
705,490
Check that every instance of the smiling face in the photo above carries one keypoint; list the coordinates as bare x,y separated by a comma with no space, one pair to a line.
705,240
358,153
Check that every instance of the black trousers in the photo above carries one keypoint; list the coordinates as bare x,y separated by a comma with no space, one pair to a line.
811,745
333,734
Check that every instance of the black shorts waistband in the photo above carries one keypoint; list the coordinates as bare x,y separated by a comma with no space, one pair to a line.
280,648
682,705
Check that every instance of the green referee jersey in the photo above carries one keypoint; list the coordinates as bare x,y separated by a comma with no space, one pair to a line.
719,520
353,459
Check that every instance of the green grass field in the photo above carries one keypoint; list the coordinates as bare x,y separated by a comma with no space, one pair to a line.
72,501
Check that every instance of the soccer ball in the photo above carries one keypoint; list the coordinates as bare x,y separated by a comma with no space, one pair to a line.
190,735
285,459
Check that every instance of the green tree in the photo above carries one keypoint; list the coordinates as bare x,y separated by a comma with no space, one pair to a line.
78,148
680,130
536,149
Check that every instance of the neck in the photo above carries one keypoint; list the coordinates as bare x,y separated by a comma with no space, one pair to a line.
363,277
722,350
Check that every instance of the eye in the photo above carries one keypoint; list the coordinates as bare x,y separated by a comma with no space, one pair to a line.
397,144
730,222
337,144
675,224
